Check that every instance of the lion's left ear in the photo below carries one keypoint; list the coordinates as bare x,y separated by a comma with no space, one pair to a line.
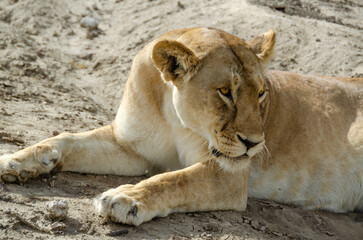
174,60
263,45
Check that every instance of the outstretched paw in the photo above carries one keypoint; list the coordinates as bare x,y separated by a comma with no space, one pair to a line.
28,163
126,204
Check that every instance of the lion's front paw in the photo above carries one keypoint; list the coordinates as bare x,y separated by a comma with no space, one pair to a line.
126,204
27,163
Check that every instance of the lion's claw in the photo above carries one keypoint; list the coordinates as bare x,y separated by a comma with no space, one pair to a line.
28,163
124,205
9,178
133,211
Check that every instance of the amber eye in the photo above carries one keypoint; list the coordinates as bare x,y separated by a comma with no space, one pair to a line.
261,93
225,91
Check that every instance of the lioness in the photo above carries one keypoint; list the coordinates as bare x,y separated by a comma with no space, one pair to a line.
198,100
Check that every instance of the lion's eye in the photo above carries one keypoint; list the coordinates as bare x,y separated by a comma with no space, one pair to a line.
261,93
225,91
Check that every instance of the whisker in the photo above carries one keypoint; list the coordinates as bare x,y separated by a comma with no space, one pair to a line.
268,151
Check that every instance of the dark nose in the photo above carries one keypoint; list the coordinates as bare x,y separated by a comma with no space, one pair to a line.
247,142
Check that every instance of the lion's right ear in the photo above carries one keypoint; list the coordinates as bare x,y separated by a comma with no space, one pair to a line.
263,45
174,60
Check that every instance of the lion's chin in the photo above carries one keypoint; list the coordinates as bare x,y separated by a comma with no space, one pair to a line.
220,155
234,164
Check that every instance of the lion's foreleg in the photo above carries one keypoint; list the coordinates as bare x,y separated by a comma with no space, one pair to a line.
95,151
201,187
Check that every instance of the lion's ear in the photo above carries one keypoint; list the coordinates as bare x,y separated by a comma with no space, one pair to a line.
263,45
173,59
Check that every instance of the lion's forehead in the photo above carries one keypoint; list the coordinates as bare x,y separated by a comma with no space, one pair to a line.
221,65
205,41
223,68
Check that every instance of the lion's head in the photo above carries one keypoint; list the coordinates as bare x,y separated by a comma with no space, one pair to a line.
218,87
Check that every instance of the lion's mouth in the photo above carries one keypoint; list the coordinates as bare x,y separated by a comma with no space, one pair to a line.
216,153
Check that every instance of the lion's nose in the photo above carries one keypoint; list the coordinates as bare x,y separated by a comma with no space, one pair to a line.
247,142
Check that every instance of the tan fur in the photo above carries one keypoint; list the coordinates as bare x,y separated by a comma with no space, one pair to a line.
282,136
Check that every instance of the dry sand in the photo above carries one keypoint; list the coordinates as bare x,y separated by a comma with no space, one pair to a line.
56,76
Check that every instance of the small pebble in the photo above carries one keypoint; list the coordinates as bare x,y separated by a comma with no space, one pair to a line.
57,210
57,227
89,23
118,232
94,6
283,64
180,5
254,224
278,234
211,227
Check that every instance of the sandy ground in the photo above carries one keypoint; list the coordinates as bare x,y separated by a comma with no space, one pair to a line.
56,76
